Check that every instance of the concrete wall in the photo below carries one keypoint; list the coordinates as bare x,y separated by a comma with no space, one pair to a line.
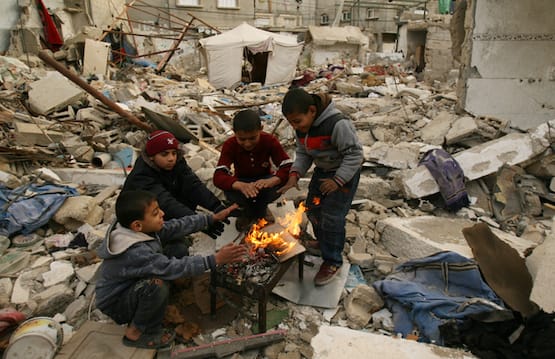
282,13
10,15
323,55
508,61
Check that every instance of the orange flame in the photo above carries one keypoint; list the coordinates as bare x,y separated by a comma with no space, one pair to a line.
259,239
316,201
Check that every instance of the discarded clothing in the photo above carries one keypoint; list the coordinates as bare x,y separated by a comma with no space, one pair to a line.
449,177
29,207
424,293
515,338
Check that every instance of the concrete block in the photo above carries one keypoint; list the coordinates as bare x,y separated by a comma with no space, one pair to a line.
30,134
53,300
434,132
54,92
95,60
460,129
417,237
360,304
402,155
482,160
87,273
338,342
77,208
60,271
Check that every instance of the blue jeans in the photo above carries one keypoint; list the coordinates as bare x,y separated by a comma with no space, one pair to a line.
327,214
143,305
254,208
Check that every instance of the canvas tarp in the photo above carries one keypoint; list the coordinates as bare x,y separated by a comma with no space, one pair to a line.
224,54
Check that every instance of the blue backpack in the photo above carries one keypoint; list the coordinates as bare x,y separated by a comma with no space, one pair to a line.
449,177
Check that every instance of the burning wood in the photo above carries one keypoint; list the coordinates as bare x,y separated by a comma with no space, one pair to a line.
268,245
276,242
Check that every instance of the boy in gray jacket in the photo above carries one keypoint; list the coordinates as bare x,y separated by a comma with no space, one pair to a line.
328,139
133,284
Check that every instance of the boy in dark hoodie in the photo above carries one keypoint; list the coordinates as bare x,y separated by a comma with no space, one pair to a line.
162,170
252,154
328,139
133,284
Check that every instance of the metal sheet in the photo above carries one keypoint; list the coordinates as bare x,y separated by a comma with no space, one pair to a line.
305,292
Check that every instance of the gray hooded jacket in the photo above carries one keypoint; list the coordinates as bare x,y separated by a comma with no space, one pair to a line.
130,256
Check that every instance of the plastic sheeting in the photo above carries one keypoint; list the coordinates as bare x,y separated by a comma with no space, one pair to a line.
27,208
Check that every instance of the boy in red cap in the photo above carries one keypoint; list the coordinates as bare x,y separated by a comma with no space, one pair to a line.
162,170
253,183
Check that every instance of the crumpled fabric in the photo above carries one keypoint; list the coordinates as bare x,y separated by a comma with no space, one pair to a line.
427,292
32,207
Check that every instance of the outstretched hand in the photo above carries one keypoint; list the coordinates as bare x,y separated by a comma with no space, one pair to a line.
293,181
231,253
224,213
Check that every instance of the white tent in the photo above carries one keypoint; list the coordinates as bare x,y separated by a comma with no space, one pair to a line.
224,54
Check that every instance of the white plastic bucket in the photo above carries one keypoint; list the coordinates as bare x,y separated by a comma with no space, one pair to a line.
37,338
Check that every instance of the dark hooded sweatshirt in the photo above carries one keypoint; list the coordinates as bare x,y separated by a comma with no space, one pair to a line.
178,191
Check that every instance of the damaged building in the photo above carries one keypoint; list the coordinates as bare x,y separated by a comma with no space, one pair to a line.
449,237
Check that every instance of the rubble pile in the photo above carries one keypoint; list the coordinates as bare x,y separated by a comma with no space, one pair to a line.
55,133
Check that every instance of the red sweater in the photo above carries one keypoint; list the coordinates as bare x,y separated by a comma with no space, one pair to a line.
253,164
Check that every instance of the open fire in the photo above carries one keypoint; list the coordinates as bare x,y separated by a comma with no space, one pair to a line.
269,245
276,239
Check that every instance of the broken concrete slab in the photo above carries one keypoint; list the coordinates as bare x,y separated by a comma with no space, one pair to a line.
337,342
30,134
360,304
53,92
435,131
107,177
60,271
417,237
541,264
481,160
401,155
461,129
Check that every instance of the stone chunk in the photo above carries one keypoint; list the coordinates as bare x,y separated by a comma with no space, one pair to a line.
60,271
360,304
53,93
461,129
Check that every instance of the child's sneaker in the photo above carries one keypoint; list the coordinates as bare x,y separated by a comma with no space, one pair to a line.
326,274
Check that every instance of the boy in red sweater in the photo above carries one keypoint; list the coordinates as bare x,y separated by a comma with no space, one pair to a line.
260,167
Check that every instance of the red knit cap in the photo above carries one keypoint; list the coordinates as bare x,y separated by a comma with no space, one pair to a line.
159,141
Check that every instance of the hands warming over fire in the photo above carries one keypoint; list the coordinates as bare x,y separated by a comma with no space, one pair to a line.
291,182
224,213
328,185
248,189
231,253
267,182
